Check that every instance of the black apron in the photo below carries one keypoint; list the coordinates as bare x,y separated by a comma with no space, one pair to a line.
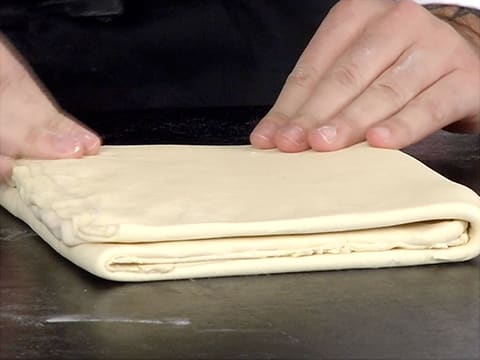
101,55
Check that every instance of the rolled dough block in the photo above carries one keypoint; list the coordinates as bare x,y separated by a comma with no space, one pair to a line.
138,213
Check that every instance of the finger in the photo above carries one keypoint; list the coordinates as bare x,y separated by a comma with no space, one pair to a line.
436,107
65,125
373,53
33,110
44,144
417,69
6,165
45,140
332,37
91,142
30,121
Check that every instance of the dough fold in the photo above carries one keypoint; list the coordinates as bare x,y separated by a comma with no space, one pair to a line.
138,213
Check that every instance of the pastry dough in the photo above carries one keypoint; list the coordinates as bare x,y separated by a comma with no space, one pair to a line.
136,213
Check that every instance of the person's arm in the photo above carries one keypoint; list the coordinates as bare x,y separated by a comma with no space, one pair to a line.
472,4
464,16
31,124
389,72
466,20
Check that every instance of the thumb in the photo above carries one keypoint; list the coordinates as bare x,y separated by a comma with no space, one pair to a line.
57,137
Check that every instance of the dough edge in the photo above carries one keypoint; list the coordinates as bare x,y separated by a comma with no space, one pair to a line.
98,264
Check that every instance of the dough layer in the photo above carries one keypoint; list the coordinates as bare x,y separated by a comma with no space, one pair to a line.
136,213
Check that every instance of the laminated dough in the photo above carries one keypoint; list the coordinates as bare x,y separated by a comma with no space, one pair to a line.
137,213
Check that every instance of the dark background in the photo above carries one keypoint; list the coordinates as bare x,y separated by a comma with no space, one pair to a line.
109,55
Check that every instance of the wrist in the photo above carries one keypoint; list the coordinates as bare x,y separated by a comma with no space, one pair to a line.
465,20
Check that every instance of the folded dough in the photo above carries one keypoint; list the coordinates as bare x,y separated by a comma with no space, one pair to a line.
137,213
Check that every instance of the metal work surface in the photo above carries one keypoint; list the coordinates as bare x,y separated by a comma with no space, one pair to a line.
51,309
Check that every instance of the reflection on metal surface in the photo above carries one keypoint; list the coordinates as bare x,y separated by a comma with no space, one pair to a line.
16,234
90,318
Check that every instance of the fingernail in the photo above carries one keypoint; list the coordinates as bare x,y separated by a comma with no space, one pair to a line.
88,140
382,132
265,132
328,133
65,144
294,134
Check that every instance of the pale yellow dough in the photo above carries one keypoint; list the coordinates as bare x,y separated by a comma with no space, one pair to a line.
137,213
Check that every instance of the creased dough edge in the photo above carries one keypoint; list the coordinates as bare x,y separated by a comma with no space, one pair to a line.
98,265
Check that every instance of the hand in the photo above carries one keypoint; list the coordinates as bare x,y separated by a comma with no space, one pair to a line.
389,72
31,125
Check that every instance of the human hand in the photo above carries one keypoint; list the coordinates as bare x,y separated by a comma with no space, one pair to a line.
31,125
389,72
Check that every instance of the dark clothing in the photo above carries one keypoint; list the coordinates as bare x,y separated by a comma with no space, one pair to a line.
126,55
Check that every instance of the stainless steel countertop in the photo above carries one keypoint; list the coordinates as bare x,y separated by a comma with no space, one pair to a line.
49,308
